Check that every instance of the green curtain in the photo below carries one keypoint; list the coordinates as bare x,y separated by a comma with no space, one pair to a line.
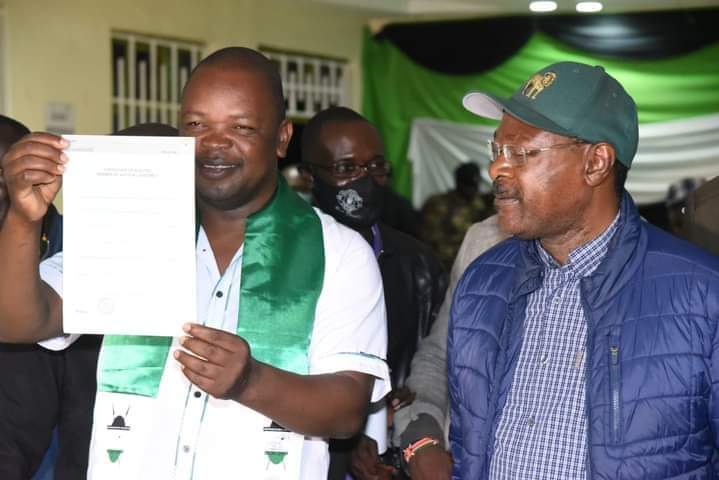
397,90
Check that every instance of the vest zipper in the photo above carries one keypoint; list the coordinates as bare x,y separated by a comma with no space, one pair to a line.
614,382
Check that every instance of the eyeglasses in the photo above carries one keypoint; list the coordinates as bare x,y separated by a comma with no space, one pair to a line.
348,169
516,156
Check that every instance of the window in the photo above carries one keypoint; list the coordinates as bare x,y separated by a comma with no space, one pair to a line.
148,74
311,83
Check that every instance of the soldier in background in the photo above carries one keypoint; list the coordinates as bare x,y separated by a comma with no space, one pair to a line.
446,217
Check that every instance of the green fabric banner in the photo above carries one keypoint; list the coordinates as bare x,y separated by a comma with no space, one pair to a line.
283,266
397,90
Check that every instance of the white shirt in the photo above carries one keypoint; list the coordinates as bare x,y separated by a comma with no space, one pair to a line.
184,433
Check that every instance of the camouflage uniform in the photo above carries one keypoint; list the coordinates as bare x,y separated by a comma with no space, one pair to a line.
446,217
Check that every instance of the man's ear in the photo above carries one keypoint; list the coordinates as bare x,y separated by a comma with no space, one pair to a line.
599,163
283,137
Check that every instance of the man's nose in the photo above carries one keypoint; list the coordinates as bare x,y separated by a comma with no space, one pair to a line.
499,167
216,139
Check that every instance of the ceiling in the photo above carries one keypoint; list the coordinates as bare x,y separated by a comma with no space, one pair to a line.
461,8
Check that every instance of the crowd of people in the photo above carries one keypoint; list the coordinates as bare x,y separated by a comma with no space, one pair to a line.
549,333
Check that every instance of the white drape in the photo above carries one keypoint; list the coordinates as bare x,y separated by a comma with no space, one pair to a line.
668,152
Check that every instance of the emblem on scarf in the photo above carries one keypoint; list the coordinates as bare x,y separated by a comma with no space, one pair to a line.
119,431
277,445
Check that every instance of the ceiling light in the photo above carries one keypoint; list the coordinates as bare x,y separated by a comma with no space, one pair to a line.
589,7
543,6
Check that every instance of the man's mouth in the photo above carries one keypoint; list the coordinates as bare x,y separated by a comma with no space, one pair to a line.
216,167
504,201
503,195
215,170
215,164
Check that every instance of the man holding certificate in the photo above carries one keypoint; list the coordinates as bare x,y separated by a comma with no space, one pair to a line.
289,337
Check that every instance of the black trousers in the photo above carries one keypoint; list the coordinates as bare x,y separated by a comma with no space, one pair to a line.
41,389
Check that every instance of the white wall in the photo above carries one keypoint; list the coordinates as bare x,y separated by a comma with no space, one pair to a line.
59,50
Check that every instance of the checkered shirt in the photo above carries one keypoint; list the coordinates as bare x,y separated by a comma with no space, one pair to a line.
542,432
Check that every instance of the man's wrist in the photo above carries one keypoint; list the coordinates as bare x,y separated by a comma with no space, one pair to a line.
246,391
416,448
20,223
424,425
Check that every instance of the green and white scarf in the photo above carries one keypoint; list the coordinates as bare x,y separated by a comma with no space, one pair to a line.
282,276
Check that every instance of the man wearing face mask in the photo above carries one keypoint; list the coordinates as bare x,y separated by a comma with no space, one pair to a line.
344,155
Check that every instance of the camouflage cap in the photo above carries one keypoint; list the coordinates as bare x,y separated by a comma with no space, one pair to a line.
571,99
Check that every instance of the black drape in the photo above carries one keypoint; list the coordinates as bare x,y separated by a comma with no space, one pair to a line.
477,45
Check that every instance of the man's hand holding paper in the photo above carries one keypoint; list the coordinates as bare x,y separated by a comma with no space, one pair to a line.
219,362
33,168
129,235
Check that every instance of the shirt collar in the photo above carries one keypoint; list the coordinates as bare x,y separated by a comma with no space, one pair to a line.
584,259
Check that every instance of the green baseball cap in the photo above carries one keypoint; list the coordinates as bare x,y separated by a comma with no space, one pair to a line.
571,99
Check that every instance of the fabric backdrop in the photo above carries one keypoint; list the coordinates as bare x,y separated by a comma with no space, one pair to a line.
397,91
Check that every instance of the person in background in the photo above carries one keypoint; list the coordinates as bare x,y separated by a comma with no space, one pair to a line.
29,411
51,240
701,222
676,202
420,428
397,212
342,156
586,345
447,216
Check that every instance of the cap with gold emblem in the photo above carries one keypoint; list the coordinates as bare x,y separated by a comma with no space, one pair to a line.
571,99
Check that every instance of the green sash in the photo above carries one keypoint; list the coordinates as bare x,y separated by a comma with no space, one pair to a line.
282,274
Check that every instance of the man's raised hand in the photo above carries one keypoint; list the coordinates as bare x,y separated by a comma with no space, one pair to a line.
33,169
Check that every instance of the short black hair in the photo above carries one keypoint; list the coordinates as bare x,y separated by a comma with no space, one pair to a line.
247,58
620,178
311,132
11,130
467,174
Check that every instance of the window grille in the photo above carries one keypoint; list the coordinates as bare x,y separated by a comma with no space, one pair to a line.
310,82
148,74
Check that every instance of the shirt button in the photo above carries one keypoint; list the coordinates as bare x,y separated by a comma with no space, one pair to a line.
198,394
544,358
557,299
530,421
186,448
219,294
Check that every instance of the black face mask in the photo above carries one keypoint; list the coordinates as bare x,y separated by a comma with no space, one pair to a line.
356,204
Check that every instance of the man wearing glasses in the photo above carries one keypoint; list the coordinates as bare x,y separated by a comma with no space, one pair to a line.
343,155
586,345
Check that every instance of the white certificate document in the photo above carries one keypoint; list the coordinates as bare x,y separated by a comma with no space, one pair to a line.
129,235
